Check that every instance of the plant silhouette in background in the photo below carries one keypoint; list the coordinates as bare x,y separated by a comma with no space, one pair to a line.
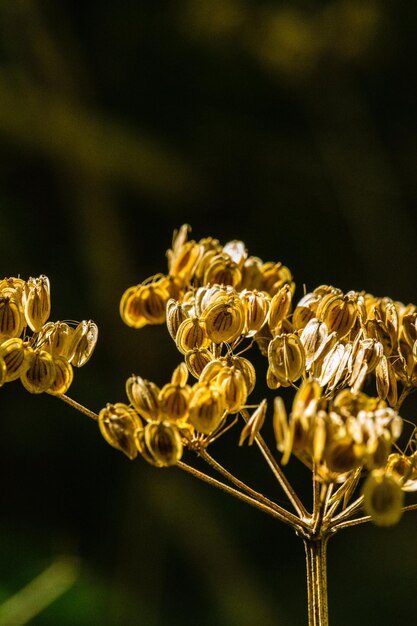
351,359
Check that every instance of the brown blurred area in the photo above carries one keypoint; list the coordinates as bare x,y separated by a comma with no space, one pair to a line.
289,125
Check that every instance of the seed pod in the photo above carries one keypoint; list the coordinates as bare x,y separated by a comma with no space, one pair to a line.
56,338
236,250
409,328
382,377
191,334
3,371
305,310
11,318
313,338
274,276
232,383
404,468
271,380
338,313
131,308
82,343
254,424
173,401
340,456
153,299
206,408
163,442
175,314
256,306
64,375
286,358
16,357
282,431
383,498
118,424
252,274
376,329
224,320
183,265
180,375
331,363
248,371
143,394
222,271
280,307
37,302
306,399
40,374
196,360
211,370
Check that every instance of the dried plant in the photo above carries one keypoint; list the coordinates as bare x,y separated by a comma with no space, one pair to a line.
350,357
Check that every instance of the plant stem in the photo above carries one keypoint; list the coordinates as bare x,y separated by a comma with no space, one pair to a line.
316,563
78,406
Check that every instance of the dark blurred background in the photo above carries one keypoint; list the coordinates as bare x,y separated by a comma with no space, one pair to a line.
289,125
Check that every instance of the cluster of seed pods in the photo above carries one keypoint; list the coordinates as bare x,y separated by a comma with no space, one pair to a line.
40,353
218,301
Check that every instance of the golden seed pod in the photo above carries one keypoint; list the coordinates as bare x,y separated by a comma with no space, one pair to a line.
237,251
131,308
383,498
204,262
314,338
271,380
185,262
339,313
340,455
13,287
3,371
16,356
286,358
248,371
222,271
153,299
283,432
376,329
331,363
225,321
11,317
40,374
163,443
196,360
118,424
56,337
280,307
173,401
252,273
305,310
274,276
206,408
37,302
306,399
408,328
205,296
404,469
143,394
211,370
232,383
64,375
256,307
254,424
180,375
175,314
83,342
192,333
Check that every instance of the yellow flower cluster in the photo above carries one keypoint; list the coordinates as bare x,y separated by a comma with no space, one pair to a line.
41,353
217,301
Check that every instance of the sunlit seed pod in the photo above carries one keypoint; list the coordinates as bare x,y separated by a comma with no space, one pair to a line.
180,375
252,273
377,452
11,318
204,263
286,358
382,377
212,369
232,383
131,308
83,342
13,287
280,307
175,315
313,338
143,394
319,436
209,294
263,338
192,333
225,321
331,363
37,302
196,360
206,408
16,356
248,371
256,307
173,401
376,329
392,396
383,498
118,424
274,276
408,328
306,400
271,380
237,251
340,456
254,424
338,313
163,441
222,271
153,298
56,337
185,262
404,468
3,371
40,374
368,355
64,375
305,310
282,431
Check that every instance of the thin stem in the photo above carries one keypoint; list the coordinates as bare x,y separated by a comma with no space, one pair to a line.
278,473
78,406
348,512
366,518
241,485
316,565
286,518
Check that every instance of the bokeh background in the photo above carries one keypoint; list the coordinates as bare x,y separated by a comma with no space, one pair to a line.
289,125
